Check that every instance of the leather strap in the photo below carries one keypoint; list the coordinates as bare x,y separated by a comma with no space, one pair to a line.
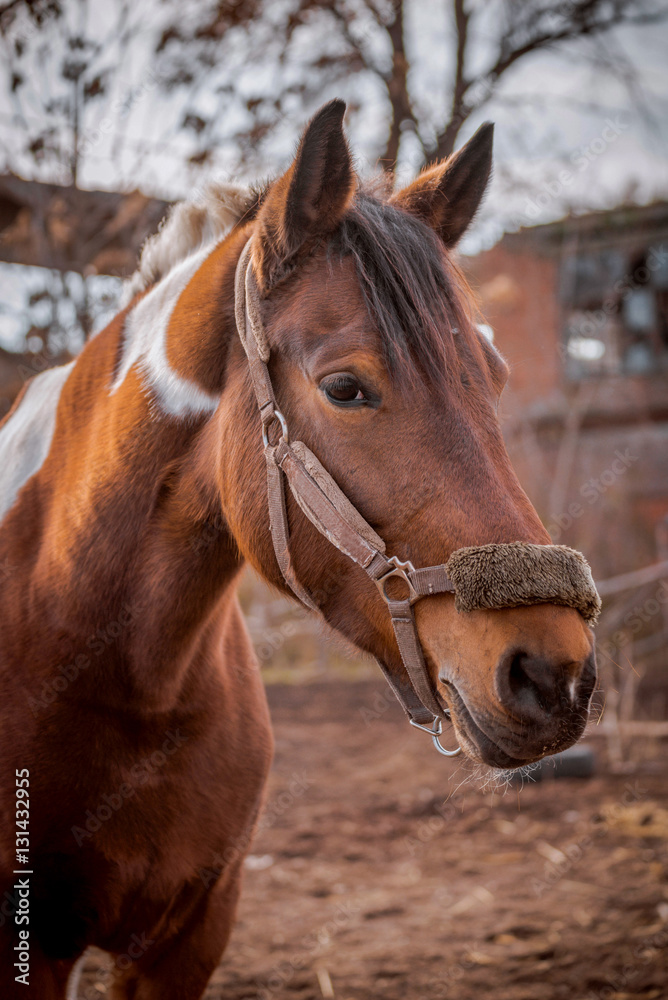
330,522
321,511
431,580
278,521
405,631
266,401
330,511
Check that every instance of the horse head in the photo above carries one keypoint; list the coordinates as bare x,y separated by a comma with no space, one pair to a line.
380,369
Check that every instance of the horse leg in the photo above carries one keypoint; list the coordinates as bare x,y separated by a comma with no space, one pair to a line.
74,979
184,964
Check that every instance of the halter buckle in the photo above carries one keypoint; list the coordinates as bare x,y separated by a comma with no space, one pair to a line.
401,570
435,732
276,415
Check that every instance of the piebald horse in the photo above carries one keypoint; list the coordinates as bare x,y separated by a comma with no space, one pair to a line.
134,490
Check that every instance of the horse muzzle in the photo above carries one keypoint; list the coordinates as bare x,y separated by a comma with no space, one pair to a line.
541,708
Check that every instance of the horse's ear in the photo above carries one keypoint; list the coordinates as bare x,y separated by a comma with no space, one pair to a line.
310,198
448,195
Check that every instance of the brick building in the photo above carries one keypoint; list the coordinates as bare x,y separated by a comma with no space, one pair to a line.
580,310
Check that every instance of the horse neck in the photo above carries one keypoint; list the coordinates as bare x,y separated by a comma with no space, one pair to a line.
187,574
156,547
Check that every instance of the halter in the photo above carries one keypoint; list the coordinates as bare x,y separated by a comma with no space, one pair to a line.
476,575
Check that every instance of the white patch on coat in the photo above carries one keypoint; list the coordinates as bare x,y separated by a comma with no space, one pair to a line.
187,227
25,440
145,345
169,260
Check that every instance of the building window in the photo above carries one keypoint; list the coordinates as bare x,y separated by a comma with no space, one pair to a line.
615,308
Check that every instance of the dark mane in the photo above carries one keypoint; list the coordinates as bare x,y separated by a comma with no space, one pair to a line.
414,295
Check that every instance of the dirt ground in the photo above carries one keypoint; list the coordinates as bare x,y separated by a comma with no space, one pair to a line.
385,870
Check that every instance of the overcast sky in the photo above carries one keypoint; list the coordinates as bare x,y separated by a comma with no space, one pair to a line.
555,112
568,136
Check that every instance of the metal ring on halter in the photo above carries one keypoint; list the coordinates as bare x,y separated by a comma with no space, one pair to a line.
435,732
276,415
400,571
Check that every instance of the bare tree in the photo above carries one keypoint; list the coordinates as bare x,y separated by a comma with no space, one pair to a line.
119,90
351,39
67,82
222,76
68,94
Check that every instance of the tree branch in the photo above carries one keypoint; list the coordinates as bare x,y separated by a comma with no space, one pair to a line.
354,44
584,21
459,111
396,82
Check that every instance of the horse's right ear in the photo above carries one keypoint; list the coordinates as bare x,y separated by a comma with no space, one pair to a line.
309,199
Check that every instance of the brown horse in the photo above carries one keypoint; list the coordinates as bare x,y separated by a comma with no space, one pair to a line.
134,489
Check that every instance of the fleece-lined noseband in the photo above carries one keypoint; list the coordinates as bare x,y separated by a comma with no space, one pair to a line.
483,576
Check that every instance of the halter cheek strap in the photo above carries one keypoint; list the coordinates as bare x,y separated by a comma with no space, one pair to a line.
330,511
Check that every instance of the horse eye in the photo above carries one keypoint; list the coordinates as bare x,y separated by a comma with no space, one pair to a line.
344,390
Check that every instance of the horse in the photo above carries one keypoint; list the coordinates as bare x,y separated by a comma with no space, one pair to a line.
136,739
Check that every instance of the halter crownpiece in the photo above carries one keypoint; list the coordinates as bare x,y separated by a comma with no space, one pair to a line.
481,577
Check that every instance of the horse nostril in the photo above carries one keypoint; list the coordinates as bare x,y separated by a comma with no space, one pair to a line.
521,686
542,702
530,686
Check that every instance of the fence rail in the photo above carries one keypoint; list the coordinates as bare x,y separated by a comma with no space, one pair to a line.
636,578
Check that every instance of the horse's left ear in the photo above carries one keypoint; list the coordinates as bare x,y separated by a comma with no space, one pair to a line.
448,195
310,199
